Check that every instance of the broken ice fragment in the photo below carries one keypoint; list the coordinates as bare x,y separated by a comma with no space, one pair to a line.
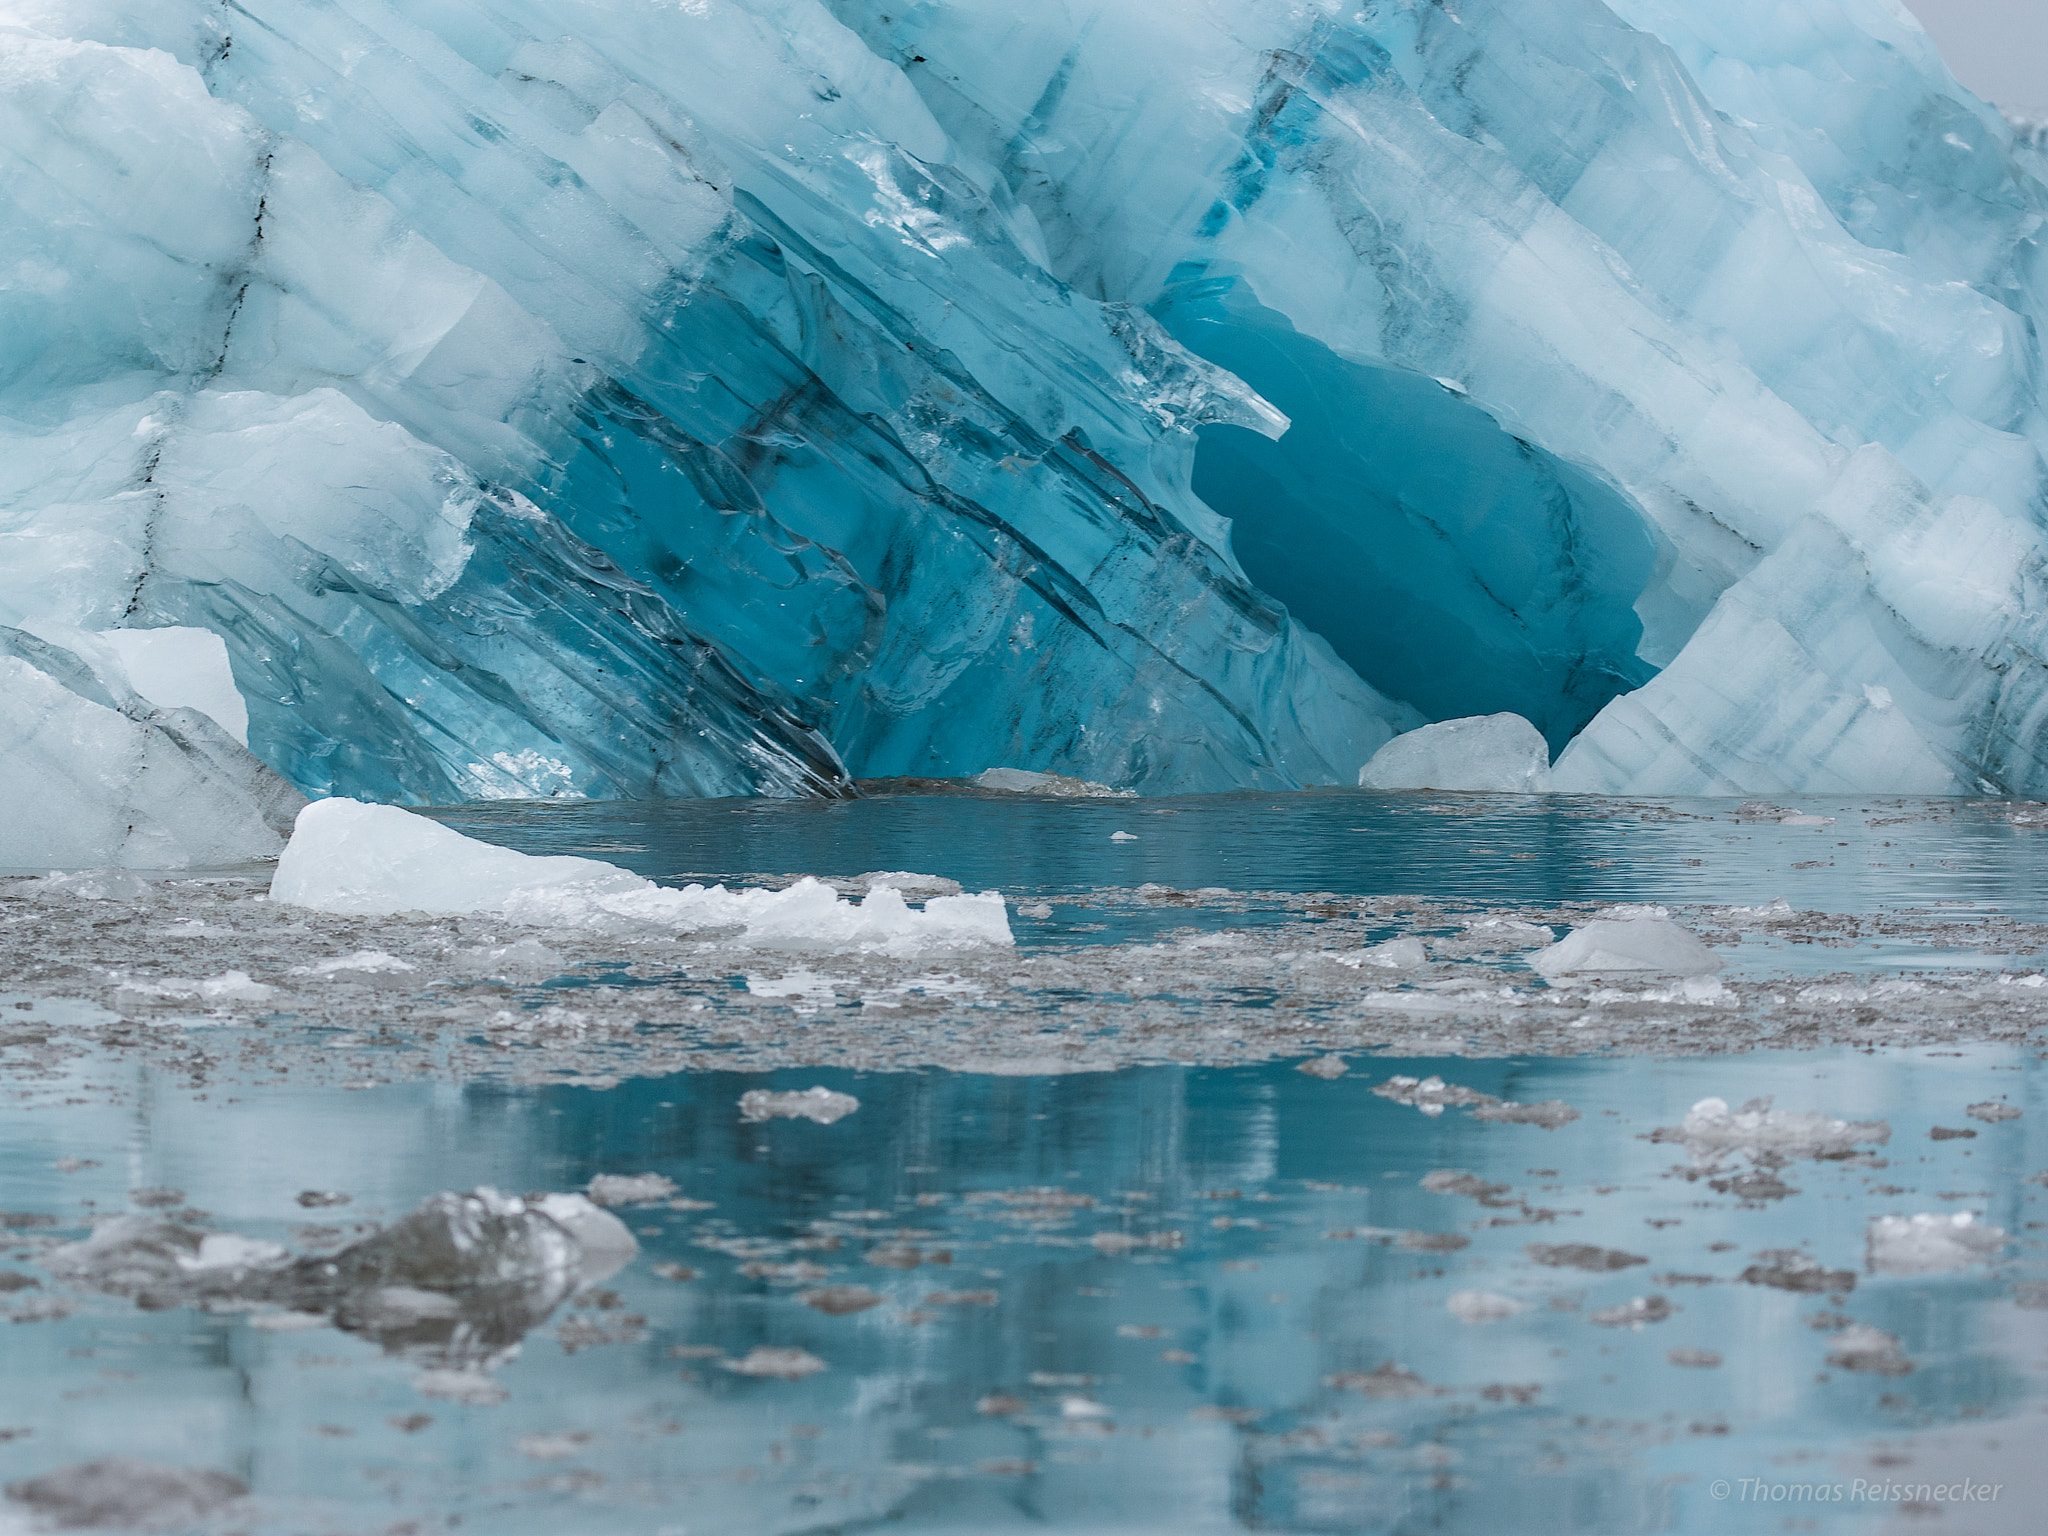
1022,781
1386,1382
1930,1243
820,1104
120,1494
1787,1269
840,1300
630,1188
780,1364
1123,837
1992,1112
1862,1348
1636,944
1696,1359
1328,1068
364,860
1710,1128
1550,1114
1502,754
1482,1306
1582,1256
1430,1094
1633,1313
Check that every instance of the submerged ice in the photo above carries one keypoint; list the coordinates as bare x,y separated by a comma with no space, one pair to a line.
756,395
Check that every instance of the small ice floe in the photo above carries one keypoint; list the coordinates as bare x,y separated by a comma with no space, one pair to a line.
778,1364
1695,1359
1328,1068
1859,1347
119,1494
1123,837
1633,1313
521,960
801,986
1502,753
1788,1269
1582,1256
819,1104
1930,1243
1776,910
1711,1128
1549,1114
1038,909
366,961
1113,1243
912,887
228,987
1652,944
1387,1382
1404,954
1992,1112
1507,933
557,1446
454,1285
840,1300
1023,781
1457,1181
1430,1094
365,860
630,1188
91,885
1482,1306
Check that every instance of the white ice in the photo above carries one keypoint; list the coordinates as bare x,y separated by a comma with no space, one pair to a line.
1502,753
346,856
1653,944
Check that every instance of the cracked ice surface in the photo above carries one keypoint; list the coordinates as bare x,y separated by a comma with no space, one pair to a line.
530,410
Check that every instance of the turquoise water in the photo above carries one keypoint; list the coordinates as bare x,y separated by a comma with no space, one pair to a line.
1153,1300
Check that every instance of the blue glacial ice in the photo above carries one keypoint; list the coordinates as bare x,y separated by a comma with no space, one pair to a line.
540,398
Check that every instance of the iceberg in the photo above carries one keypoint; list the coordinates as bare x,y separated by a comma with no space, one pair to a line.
348,857
525,399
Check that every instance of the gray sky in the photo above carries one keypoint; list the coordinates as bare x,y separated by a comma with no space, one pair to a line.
1998,48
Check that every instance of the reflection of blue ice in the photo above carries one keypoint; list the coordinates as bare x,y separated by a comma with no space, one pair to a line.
1183,1263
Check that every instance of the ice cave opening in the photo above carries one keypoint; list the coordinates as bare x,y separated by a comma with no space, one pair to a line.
1449,563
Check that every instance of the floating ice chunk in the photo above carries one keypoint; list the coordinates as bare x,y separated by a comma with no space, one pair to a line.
840,1300
1123,837
820,1104
1638,944
1860,1347
780,1364
1711,1128
1022,781
1696,1359
1510,932
118,1494
183,668
1930,1243
1582,1256
228,987
1550,1114
1788,1269
1633,1313
1992,1112
1499,753
94,885
368,961
1328,1068
1482,1306
1430,1094
1804,820
1403,954
910,886
349,857
630,1188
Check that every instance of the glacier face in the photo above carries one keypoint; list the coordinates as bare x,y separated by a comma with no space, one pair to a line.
740,396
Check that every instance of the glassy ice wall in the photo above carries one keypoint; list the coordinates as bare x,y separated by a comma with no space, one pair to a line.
744,396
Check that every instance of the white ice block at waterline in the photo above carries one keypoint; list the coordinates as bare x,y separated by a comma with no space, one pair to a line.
1650,944
346,856
1502,754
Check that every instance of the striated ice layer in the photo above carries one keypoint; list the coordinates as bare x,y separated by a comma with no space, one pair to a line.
747,396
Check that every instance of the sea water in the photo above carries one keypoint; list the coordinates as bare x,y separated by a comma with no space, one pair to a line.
1159,1297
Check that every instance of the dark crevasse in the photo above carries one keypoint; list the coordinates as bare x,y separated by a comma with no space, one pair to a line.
1450,563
